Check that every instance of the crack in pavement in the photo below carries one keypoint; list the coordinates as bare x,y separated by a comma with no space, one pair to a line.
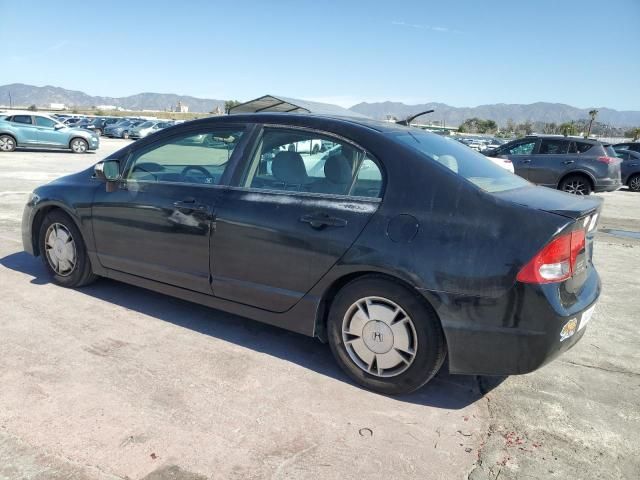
596,367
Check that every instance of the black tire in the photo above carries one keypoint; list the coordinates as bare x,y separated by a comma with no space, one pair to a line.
315,149
99,131
79,145
430,342
81,274
125,135
7,143
634,182
576,185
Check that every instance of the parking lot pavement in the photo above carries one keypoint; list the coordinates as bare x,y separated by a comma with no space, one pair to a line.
112,382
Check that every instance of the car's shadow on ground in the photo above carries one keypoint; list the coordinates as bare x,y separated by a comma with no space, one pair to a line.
50,150
444,391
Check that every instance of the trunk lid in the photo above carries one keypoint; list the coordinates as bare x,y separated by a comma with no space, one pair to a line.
552,201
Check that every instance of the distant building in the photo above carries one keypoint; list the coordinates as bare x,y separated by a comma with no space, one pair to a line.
106,107
57,106
182,108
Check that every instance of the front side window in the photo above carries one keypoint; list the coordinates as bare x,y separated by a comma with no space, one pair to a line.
26,119
300,161
553,147
522,148
189,158
45,122
463,161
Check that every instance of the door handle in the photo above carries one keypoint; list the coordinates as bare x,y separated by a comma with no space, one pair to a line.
567,162
321,220
526,160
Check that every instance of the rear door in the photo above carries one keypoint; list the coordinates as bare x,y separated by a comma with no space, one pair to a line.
291,216
520,153
25,129
550,162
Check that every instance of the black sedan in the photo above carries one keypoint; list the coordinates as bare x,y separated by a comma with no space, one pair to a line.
397,246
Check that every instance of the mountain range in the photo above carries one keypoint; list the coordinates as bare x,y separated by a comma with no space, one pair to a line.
501,113
25,95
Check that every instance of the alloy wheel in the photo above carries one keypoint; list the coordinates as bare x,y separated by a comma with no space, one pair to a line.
79,145
634,184
7,144
379,336
576,187
60,249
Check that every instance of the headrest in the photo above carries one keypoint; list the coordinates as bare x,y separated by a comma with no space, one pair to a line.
288,167
337,169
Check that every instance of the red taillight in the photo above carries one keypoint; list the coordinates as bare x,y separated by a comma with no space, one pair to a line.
507,161
556,261
608,160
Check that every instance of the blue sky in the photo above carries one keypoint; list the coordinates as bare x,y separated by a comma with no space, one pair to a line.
464,53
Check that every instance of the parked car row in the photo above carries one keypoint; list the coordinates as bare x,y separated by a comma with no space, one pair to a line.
117,127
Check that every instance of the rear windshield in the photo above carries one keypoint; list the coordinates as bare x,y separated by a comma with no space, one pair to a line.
462,160
610,151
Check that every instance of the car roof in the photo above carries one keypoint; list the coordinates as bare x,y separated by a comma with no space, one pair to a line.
311,119
562,137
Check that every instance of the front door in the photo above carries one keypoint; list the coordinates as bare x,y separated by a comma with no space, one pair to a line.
292,217
158,223
48,135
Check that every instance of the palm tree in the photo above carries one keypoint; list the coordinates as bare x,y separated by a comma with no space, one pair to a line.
592,113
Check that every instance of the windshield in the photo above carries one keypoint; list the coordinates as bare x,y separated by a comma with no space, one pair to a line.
462,160
146,125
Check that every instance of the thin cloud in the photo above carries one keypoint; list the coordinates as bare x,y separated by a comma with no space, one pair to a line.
58,46
419,26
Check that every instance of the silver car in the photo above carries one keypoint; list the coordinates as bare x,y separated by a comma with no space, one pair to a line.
147,128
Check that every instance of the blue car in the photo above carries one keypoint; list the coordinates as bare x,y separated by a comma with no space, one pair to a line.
29,130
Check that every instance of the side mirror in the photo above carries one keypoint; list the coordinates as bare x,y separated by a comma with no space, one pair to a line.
59,127
108,170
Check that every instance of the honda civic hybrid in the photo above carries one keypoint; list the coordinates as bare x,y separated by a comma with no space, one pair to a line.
397,247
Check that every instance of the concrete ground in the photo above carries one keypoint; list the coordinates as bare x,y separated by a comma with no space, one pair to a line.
114,382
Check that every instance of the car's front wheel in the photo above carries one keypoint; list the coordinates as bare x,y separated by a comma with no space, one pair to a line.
125,135
634,183
63,251
384,336
7,143
576,184
79,145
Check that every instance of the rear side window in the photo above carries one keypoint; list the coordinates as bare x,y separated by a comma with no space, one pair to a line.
26,119
553,147
582,147
471,165
301,161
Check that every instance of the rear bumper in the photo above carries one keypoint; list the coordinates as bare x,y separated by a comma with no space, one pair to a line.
607,185
518,333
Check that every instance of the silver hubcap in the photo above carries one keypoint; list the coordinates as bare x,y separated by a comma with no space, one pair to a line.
60,249
576,187
6,144
79,146
379,336
635,183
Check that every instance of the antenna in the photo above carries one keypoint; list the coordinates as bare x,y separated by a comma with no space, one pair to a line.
407,121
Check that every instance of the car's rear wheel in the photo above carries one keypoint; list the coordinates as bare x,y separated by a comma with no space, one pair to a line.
7,143
384,336
63,251
634,183
576,184
125,135
99,132
79,145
